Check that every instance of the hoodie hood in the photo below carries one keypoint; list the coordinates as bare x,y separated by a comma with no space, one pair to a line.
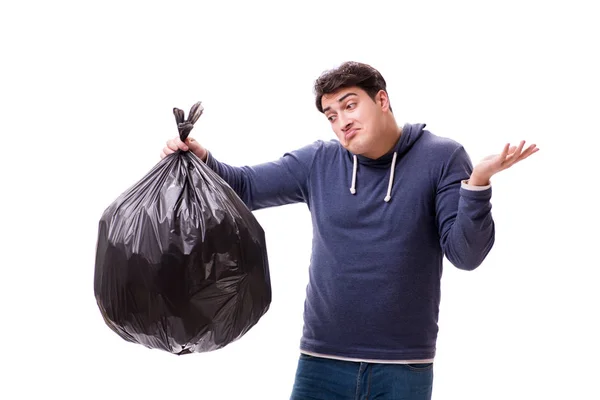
410,134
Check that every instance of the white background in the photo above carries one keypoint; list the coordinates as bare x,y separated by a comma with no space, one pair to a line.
87,91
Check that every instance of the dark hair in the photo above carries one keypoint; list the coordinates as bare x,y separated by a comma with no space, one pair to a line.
349,74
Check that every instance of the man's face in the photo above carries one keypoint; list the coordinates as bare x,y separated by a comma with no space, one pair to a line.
355,118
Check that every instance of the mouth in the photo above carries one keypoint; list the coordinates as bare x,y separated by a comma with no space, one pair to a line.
350,134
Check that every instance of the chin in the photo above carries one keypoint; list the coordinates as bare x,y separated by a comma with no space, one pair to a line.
355,147
354,150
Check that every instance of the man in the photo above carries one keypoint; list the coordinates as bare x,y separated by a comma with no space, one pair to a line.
388,202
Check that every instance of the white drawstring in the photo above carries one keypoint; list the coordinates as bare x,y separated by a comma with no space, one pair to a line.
353,188
388,197
389,192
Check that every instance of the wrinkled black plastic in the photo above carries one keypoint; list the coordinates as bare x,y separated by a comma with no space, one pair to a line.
181,263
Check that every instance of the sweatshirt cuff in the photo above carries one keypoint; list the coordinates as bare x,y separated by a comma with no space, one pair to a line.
210,162
465,185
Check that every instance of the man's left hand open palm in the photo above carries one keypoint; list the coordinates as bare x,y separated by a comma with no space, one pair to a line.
498,162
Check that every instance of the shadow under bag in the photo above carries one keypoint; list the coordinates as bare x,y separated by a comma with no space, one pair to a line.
181,263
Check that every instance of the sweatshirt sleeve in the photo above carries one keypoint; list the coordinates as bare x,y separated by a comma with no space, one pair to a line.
270,184
466,226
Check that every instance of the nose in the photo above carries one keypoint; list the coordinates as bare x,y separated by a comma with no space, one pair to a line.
344,122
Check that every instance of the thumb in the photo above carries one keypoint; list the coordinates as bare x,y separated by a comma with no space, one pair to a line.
195,147
192,143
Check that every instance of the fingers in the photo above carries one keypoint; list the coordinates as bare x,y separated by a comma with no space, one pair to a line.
529,151
520,148
165,152
191,143
172,146
519,154
176,144
516,152
504,152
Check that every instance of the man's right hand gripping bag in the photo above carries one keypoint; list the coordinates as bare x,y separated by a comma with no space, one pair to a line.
181,263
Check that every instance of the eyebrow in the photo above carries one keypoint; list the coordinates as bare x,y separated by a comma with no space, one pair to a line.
340,100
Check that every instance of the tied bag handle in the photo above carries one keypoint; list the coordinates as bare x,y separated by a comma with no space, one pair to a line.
185,126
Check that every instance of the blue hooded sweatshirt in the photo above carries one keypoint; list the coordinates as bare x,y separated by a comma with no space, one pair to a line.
381,229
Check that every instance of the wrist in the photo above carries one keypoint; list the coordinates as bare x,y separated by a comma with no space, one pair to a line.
478,180
202,154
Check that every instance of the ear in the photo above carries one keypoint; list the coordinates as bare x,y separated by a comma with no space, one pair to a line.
383,100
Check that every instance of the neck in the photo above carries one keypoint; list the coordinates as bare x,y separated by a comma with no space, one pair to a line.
388,142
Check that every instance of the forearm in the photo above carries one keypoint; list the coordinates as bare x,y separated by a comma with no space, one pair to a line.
472,233
234,176
275,183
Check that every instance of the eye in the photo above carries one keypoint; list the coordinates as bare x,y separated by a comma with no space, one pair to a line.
331,118
350,106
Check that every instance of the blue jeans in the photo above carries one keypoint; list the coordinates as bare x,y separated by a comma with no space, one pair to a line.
326,379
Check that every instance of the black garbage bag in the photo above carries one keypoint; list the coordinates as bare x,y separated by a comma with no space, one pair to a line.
181,263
